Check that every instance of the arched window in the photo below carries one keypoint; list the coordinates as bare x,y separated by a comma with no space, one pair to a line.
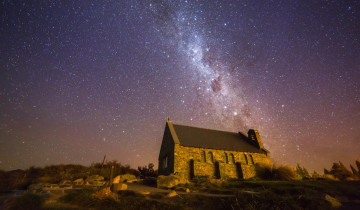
225,158
203,156
165,162
232,159
245,160
210,157
251,160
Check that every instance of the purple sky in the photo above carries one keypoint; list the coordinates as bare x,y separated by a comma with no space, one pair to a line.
84,79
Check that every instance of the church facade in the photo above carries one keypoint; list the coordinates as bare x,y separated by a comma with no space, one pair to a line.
195,152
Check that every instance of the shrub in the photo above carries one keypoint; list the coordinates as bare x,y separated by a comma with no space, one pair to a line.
274,172
104,170
147,171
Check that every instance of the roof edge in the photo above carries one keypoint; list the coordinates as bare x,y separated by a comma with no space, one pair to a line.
208,129
173,132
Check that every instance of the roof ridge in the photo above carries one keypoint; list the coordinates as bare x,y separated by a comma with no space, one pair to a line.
207,128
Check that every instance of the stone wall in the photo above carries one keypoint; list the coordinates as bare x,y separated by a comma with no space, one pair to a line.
183,155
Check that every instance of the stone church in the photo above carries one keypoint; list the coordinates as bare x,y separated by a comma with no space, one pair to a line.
192,151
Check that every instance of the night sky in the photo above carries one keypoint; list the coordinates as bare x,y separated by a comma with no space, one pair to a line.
84,79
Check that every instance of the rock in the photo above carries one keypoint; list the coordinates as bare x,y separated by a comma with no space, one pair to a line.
330,177
118,187
116,180
172,194
65,182
79,181
187,190
127,177
333,201
170,181
132,181
216,181
96,180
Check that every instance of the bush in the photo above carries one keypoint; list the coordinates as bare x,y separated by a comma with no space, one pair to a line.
147,171
274,172
104,170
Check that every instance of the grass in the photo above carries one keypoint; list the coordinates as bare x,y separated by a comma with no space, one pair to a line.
293,194
28,201
274,172
125,200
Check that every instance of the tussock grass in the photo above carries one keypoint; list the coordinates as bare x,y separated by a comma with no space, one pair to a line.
274,172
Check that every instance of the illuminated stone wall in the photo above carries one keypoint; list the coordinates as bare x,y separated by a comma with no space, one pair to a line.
183,155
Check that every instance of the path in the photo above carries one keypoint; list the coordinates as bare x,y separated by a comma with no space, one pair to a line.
140,188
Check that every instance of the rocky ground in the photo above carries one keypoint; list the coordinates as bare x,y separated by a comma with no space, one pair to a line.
173,192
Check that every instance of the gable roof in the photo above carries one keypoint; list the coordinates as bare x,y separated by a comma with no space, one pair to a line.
212,139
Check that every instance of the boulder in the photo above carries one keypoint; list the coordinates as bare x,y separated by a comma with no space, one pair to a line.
172,194
333,201
116,180
96,180
216,181
170,181
79,181
118,187
127,177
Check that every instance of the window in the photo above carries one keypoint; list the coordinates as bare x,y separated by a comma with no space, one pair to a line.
203,156
232,159
245,159
165,162
225,158
251,160
210,157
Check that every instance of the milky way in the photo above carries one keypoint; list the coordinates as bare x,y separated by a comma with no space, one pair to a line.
185,29
80,80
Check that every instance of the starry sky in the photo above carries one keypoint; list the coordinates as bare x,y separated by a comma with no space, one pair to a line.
84,79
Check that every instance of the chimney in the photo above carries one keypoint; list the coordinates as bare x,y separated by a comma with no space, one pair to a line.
254,137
